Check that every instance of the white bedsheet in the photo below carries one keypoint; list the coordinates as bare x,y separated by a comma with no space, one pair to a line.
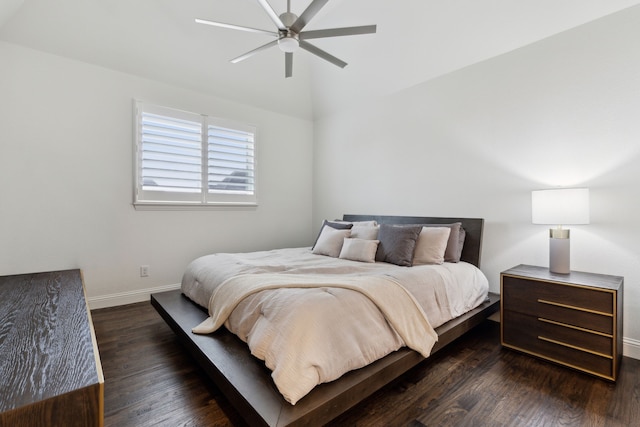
329,330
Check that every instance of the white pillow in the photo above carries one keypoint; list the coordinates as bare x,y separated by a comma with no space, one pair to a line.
330,241
431,245
366,232
359,250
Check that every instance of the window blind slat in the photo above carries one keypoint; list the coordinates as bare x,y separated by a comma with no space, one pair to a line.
172,158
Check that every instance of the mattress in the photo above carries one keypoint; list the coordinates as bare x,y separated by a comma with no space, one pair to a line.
321,322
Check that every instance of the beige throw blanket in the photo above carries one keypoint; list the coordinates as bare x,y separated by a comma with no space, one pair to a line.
386,316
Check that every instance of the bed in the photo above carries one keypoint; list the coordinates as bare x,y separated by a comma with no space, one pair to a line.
247,382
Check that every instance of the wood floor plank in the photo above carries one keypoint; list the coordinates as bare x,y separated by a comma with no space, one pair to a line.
151,380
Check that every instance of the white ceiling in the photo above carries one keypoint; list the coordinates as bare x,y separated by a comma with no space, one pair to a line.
416,41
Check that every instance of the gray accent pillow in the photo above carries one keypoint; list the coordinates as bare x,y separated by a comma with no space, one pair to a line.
397,244
463,234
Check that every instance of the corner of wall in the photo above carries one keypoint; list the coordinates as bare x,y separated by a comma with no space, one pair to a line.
631,348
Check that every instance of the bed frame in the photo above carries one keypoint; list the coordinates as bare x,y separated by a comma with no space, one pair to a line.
247,383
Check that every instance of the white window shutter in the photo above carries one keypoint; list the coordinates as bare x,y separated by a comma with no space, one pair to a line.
230,160
171,154
187,158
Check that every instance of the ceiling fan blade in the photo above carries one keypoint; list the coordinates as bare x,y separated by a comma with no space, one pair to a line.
306,16
235,27
337,32
288,64
322,54
273,15
253,52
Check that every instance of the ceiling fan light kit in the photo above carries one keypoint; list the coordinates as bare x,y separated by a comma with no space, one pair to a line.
288,44
289,35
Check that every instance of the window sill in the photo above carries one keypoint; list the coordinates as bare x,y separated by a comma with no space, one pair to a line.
169,206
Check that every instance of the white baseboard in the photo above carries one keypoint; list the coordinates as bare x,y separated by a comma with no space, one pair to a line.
631,348
129,297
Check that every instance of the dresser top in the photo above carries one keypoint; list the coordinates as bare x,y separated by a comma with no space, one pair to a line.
573,278
46,345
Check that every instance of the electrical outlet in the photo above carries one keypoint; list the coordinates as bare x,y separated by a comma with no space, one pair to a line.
144,271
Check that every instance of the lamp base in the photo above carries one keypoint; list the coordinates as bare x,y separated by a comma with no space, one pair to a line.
559,253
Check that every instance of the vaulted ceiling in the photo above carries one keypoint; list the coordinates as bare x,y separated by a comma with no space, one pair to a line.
416,41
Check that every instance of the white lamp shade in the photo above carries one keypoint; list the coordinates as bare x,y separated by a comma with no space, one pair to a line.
562,206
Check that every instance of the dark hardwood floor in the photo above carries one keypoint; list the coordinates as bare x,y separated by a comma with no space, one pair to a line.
151,381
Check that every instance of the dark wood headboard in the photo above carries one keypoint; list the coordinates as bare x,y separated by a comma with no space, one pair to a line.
472,226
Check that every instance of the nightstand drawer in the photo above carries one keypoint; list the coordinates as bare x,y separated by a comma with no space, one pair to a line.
573,316
534,328
524,293
526,341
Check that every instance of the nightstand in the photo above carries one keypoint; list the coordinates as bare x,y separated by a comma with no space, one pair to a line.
572,319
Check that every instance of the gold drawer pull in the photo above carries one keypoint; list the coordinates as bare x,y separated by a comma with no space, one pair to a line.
575,347
578,328
573,307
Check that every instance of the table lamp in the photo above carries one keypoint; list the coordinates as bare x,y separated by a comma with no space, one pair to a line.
561,206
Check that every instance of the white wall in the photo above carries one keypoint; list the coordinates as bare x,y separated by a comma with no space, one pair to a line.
66,179
563,111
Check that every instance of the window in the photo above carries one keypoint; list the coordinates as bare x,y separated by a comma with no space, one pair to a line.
189,159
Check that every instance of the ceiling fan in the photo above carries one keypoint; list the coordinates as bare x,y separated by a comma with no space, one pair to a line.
289,34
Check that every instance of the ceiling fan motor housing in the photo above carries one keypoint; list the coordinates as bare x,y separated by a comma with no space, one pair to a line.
288,41
288,18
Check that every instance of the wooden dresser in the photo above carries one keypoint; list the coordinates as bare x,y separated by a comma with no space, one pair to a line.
50,372
572,319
